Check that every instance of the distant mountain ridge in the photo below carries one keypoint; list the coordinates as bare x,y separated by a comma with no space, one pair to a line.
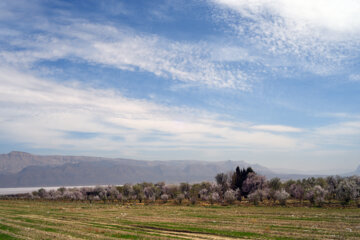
26,170
15,161
20,169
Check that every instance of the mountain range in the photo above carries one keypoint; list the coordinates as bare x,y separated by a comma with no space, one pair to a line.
20,169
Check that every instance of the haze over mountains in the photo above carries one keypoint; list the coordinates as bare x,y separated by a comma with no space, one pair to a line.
20,169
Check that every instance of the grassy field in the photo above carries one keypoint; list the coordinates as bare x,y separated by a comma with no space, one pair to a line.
65,220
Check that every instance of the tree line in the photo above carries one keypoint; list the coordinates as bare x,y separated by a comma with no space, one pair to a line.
228,188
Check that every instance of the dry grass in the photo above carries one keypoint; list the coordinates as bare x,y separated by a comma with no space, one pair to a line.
65,220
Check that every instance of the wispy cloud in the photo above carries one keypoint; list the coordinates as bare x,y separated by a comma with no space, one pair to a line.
277,128
122,48
354,77
318,35
341,129
42,113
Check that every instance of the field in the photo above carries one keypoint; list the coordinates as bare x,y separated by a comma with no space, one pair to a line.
75,220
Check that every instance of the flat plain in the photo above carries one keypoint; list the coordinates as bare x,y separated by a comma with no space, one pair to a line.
25,219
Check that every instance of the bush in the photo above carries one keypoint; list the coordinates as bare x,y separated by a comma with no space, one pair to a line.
203,194
281,196
185,189
179,198
119,197
171,190
258,196
297,191
230,196
252,183
254,197
347,190
316,195
193,200
149,193
215,197
164,198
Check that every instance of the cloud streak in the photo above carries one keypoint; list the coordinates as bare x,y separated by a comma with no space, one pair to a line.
42,113
319,36
122,48
277,128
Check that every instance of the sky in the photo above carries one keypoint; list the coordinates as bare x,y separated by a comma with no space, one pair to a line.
273,82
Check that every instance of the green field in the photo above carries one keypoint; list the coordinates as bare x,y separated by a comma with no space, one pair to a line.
76,220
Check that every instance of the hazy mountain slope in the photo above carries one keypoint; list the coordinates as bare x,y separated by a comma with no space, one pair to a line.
356,172
112,172
20,169
15,161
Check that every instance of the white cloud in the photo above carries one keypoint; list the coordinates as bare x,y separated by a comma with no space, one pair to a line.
340,115
277,128
333,15
315,36
354,77
126,50
231,54
340,129
342,136
40,113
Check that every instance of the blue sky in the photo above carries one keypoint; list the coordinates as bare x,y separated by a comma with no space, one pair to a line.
274,82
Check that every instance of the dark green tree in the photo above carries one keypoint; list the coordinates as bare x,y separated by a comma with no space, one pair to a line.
239,178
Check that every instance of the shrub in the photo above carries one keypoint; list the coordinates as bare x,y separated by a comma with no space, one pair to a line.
119,197
152,199
179,198
54,195
320,195
149,193
159,189
222,180
138,192
215,197
238,178
111,192
215,188
203,194
252,183
316,195
332,182
281,196
171,190
164,198
185,189
254,197
347,190
258,196
274,185
230,196
193,200
127,190
42,193
297,191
